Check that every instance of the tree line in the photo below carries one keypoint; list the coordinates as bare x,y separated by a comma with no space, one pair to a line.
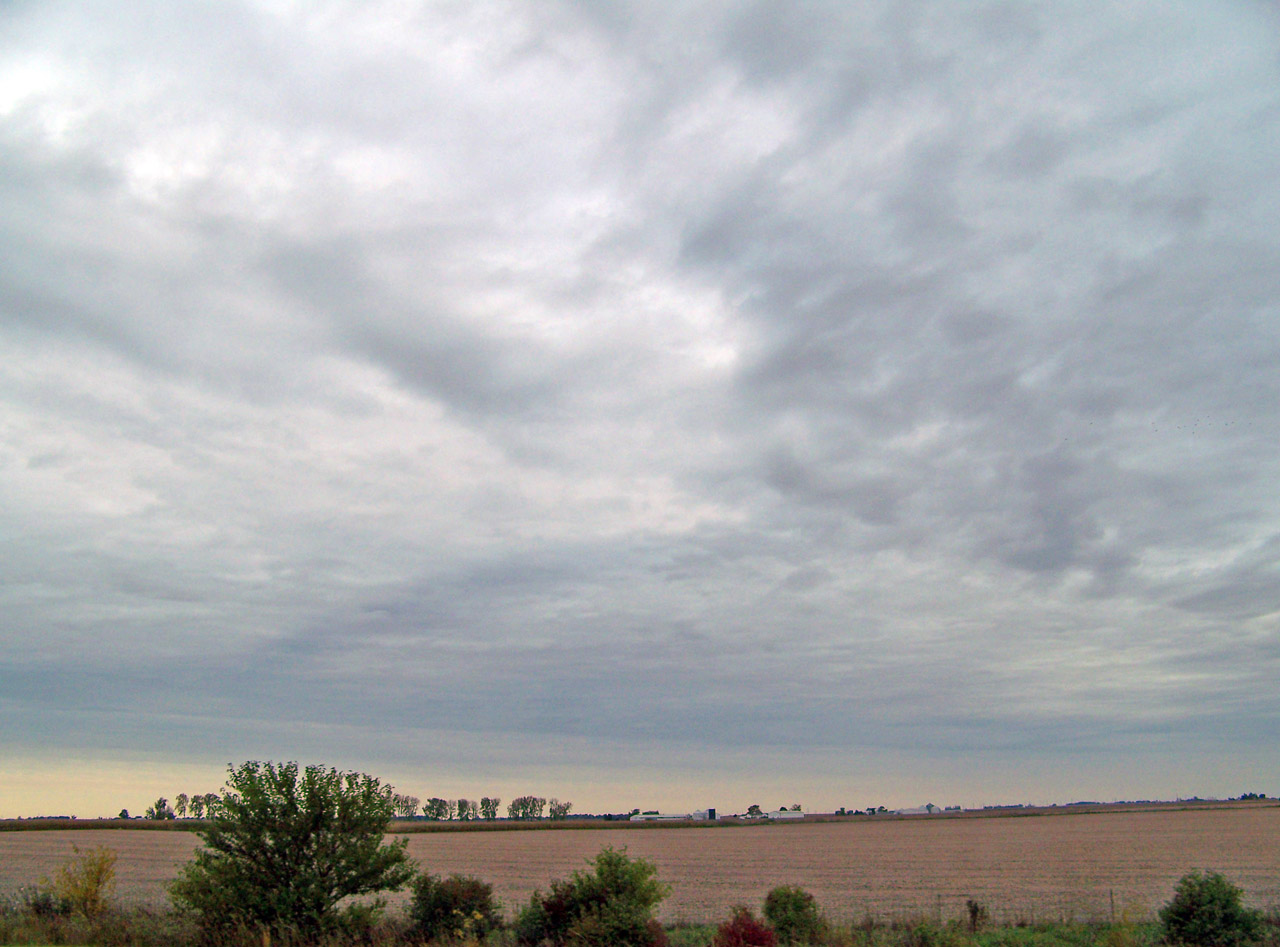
197,806
404,806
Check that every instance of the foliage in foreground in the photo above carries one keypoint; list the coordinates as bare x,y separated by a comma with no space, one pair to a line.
1208,911
83,884
744,929
142,928
286,846
794,914
111,927
611,906
456,907
285,822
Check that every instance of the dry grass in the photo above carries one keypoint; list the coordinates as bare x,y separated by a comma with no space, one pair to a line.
1033,869
147,860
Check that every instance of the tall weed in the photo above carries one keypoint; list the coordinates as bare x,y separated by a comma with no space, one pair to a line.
85,883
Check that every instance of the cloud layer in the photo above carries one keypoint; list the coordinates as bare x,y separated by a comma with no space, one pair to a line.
561,388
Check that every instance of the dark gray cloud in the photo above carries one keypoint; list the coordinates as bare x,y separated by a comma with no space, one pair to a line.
643,387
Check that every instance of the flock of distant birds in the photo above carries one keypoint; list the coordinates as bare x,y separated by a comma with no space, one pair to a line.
1192,427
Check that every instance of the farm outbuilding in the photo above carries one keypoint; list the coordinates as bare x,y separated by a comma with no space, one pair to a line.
701,815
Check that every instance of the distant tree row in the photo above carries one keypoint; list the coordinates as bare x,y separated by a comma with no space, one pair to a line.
464,810
526,807
205,805
197,806
533,807
406,807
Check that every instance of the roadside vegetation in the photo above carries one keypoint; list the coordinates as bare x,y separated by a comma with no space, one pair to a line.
297,856
465,915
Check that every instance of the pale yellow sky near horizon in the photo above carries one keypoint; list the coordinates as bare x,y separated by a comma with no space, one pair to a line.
88,787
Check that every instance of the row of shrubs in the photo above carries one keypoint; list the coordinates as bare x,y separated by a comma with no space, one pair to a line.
615,903
611,905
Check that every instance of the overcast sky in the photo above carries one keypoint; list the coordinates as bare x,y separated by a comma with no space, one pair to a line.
642,403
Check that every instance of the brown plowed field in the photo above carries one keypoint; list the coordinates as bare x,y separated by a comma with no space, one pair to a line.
1039,867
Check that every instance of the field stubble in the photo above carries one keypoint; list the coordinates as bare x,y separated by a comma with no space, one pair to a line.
1035,869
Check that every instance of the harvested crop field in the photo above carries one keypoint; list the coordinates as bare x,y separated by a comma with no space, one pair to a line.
1040,867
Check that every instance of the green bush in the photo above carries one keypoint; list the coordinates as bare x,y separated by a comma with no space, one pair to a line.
610,906
456,906
794,915
1207,911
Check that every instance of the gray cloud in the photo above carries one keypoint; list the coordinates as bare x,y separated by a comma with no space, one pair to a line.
893,379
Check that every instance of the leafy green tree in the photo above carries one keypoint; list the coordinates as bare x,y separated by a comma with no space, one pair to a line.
436,808
489,808
466,809
1208,911
211,801
196,806
611,906
180,805
285,846
526,807
754,810
559,810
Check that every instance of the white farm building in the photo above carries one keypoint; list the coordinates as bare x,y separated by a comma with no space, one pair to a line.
702,815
